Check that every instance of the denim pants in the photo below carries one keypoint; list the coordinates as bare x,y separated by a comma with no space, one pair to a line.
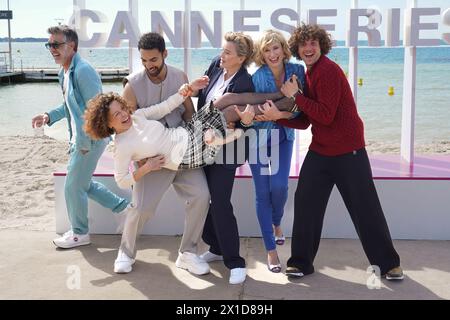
79,186
271,177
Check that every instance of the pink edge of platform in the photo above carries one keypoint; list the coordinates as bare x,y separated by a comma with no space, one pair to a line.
385,167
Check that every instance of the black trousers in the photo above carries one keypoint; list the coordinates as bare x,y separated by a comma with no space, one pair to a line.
221,230
352,175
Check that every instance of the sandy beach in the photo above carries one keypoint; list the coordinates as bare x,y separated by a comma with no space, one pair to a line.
437,147
26,188
28,163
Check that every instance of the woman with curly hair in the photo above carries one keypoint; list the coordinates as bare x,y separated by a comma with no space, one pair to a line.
138,135
336,156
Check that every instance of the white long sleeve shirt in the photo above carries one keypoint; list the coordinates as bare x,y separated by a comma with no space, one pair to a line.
147,138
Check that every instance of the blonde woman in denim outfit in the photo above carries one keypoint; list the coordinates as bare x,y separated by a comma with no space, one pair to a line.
271,152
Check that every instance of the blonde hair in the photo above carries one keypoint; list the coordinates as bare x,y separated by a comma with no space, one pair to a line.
244,45
268,38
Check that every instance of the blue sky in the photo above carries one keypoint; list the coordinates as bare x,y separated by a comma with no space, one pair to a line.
31,18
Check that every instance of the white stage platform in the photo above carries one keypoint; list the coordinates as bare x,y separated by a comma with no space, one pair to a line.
415,199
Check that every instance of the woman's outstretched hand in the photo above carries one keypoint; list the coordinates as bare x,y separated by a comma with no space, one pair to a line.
247,115
191,89
185,90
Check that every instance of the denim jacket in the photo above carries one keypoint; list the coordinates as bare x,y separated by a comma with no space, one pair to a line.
264,81
84,84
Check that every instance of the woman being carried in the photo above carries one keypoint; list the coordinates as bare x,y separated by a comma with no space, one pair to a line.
140,136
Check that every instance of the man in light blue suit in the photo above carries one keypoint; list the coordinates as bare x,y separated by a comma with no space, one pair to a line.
79,83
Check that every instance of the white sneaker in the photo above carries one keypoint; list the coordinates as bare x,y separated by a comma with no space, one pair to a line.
71,240
123,263
238,275
192,263
208,256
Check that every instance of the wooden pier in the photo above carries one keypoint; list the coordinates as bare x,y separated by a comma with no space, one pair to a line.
12,77
51,75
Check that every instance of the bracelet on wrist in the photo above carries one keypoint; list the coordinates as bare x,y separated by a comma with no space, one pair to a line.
294,108
246,125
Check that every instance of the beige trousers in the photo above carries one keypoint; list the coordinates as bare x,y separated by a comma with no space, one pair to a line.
190,185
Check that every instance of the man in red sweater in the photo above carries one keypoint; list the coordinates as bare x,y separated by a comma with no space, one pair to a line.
336,156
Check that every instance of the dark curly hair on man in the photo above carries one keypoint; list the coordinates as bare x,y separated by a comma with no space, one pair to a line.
96,114
310,32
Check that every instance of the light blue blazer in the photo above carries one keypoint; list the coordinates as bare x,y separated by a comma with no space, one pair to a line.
84,84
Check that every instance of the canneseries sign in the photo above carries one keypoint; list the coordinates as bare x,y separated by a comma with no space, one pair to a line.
188,26
125,26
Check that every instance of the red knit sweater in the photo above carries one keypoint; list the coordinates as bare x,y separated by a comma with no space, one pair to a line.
330,109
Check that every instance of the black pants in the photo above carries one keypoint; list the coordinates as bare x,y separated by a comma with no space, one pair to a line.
352,175
221,230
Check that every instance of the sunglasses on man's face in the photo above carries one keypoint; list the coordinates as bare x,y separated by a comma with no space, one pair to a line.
54,45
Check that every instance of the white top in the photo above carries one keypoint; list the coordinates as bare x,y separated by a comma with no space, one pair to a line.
146,138
218,89
66,98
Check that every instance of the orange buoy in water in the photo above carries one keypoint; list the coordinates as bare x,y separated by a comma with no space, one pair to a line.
360,82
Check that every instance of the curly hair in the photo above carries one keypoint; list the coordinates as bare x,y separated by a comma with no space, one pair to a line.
96,114
244,45
310,32
268,38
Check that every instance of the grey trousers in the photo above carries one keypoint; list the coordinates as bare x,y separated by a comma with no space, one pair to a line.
190,185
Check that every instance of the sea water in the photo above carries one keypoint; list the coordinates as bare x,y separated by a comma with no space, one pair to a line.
379,69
